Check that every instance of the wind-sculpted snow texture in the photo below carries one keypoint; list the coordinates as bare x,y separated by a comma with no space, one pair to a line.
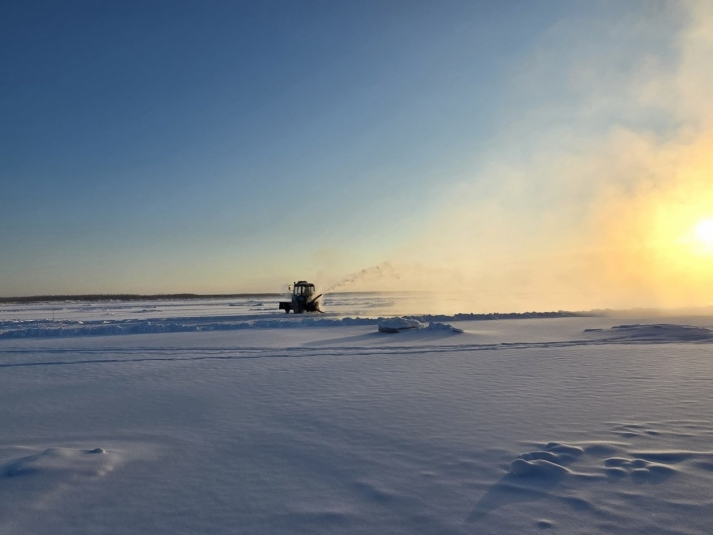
652,333
573,425
81,318
31,329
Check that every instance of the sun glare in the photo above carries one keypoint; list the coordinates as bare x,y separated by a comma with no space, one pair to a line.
704,231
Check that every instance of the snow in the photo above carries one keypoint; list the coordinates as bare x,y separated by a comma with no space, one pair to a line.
396,325
321,424
656,333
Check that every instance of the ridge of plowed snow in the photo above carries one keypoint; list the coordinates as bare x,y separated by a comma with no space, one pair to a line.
654,332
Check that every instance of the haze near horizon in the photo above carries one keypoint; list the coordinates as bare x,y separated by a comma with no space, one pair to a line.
550,155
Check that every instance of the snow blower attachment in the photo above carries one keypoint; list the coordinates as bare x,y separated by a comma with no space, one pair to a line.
302,300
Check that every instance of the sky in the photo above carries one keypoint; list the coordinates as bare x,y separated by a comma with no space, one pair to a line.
528,155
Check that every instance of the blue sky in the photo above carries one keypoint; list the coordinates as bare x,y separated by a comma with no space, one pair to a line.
234,146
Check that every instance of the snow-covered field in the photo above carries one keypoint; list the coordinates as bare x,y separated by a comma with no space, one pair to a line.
226,417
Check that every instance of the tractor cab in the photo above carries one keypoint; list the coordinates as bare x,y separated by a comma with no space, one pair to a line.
303,289
302,299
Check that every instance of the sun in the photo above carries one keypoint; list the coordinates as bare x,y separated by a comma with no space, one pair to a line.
704,231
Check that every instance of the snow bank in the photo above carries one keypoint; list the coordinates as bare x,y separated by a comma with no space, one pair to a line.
503,316
635,333
653,333
447,327
37,329
395,325
69,328
61,464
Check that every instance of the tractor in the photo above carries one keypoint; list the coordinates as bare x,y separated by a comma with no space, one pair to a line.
302,299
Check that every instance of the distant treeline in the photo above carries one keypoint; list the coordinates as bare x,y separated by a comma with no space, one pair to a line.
126,297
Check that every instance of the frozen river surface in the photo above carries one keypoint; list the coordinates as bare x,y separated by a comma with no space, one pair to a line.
586,425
